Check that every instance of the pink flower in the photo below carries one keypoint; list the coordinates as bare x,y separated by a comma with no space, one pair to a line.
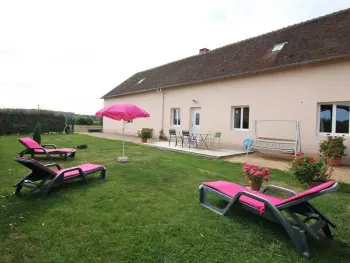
245,170
266,177
259,167
266,171
252,172
258,173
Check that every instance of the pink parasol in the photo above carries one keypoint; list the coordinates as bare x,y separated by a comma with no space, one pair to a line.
124,112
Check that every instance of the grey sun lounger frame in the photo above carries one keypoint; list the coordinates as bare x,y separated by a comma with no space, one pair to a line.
297,231
43,179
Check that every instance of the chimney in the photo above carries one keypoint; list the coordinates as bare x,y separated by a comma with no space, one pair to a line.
203,50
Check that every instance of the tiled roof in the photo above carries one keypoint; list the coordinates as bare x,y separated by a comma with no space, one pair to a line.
323,38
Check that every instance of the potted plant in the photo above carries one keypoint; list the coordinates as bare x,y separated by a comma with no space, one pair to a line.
144,134
309,170
256,174
333,149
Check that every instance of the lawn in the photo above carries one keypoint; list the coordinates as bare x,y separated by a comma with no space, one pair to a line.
147,211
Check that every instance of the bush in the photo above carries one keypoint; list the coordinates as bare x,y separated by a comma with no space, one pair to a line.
145,133
84,120
333,146
37,133
307,169
162,136
22,121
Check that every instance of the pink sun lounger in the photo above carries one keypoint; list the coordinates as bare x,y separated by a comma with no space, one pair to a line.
307,218
34,148
42,179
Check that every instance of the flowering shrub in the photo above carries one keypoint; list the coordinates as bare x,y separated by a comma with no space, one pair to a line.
333,146
255,173
308,169
145,133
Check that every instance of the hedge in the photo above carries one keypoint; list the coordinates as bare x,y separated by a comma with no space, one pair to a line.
22,121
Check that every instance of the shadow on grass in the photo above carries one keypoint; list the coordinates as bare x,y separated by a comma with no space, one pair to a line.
344,188
332,249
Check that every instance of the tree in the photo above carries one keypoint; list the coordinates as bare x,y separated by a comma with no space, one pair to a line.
37,133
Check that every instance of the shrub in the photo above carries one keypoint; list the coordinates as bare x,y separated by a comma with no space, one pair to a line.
308,169
333,146
255,173
84,120
162,136
37,133
145,133
23,121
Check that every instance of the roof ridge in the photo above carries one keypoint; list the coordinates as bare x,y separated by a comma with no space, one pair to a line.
254,37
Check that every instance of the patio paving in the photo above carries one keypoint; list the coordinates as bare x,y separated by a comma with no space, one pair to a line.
210,153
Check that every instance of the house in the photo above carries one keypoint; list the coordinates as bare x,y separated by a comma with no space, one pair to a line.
301,72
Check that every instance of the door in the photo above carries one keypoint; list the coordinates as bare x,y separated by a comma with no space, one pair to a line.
195,120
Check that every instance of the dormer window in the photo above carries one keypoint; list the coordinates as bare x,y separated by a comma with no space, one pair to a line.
278,47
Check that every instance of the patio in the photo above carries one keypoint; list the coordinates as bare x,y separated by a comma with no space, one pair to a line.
210,153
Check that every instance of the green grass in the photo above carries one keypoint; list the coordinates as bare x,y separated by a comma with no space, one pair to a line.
147,211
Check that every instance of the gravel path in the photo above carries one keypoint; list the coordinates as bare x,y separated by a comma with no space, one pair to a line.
341,174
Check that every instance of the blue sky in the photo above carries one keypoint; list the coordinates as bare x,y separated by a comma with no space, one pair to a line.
64,55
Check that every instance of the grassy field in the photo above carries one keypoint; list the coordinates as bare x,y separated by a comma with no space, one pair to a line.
147,211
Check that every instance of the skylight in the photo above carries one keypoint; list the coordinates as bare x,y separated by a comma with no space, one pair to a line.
279,46
141,80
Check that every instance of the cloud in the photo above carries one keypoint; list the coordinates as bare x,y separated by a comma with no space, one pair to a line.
65,55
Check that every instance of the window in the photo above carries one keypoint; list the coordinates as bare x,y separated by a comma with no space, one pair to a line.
176,117
130,121
334,118
197,118
240,118
278,47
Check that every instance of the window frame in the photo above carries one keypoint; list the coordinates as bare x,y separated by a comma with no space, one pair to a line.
130,122
241,122
334,119
279,46
173,112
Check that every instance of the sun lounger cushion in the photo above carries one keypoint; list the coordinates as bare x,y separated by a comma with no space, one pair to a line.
29,142
232,189
61,150
308,192
87,167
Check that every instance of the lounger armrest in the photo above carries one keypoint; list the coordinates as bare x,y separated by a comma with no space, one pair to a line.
59,167
253,196
279,189
51,145
70,170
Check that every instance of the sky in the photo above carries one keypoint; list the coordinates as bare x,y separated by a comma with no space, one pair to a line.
65,55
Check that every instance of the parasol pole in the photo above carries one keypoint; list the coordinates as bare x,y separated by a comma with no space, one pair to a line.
123,137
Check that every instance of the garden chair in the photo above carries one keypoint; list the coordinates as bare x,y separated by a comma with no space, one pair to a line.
34,148
271,208
43,179
189,138
214,138
172,134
